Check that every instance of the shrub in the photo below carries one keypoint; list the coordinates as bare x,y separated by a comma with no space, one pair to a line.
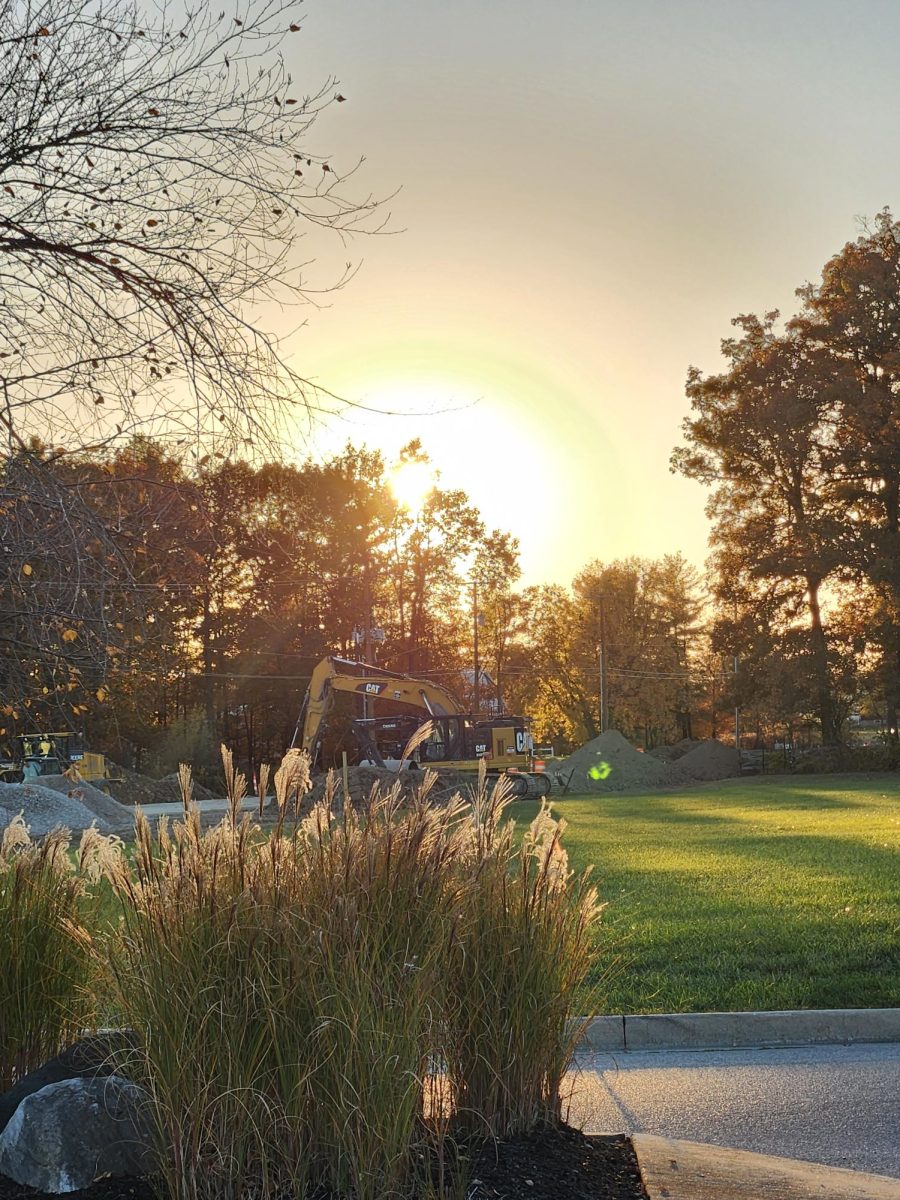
46,960
828,760
186,740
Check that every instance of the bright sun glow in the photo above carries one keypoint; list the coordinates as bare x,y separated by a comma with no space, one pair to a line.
411,483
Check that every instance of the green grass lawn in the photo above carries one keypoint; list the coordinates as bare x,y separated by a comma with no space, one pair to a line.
745,894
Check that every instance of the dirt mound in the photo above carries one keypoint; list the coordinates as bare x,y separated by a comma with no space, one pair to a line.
135,788
361,780
91,797
44,809
168,788
711,760
629,769
674,752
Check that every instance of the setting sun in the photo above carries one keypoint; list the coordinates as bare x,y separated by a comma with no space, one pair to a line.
411,483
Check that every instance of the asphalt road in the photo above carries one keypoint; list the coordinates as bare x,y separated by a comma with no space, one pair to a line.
838,1105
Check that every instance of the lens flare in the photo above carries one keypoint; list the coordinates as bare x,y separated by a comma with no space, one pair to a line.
412,483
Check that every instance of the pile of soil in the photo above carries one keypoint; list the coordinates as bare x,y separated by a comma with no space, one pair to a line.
630,770
675,752
361,780
135,788
44,808
168,789
549,1164
711,759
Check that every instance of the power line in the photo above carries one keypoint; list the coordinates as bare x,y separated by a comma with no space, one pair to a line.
518,671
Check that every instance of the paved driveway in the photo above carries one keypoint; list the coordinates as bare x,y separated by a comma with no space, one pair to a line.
838,1105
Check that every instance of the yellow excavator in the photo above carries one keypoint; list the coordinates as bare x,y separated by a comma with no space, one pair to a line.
457,740
55,753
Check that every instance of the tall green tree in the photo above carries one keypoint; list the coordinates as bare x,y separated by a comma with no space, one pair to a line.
756,439
431,548
494,574
850,328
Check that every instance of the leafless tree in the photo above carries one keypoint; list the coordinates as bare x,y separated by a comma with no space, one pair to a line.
61,590
154,180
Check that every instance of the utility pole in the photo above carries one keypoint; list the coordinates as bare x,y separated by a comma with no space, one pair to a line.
476,700
367,632
604,696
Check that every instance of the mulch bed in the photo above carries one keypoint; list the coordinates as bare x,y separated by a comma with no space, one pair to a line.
557,1164
549,1164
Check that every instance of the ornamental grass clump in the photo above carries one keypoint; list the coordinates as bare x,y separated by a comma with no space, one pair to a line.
207,942
339,1007
286,991
46,958
382,893
518,962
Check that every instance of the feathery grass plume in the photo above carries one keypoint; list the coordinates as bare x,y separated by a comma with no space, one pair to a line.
99,855
421,735
186,786
46,963
522,952
292,782
15,837
263,786
235,784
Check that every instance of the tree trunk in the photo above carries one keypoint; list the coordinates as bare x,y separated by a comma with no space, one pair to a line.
831,733
892,706
251,741
208,681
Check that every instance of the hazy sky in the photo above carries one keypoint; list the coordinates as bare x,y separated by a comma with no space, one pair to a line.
590,191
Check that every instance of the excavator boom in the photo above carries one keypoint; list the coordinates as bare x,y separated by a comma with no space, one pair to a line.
372,683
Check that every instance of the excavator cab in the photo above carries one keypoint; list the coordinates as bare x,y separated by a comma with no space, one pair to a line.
458,741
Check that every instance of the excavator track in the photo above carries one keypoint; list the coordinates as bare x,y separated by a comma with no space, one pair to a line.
526,786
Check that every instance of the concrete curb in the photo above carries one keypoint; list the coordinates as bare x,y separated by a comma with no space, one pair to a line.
677,1170
741,1030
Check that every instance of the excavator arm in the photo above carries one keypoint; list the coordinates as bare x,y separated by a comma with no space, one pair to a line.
334,675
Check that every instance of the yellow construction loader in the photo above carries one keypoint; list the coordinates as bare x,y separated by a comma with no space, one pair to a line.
60,752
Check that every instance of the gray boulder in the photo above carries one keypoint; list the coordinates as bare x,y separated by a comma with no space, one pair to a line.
63,1137
96,1054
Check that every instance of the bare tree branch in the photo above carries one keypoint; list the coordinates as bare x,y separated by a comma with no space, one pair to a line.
154,178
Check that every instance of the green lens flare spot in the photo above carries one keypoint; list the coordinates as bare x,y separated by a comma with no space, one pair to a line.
601,771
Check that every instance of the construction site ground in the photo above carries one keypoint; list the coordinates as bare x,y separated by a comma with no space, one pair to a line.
609,763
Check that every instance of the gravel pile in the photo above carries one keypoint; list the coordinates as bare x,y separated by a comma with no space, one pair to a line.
630,770
711,760
44,808
91,797
168,788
